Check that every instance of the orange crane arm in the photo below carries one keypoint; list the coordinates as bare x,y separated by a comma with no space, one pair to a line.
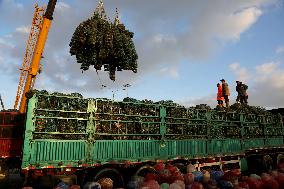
30,48
2,104
37,54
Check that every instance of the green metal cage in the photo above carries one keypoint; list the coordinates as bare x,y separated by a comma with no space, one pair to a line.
64,130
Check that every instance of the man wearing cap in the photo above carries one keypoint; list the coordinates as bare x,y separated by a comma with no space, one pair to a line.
226,92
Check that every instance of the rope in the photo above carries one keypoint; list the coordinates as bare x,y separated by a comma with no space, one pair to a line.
101,83
100,10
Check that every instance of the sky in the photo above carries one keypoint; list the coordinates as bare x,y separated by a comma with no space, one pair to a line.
184,48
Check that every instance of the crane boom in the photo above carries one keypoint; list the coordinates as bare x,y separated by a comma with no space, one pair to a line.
30,47
2,104
33,54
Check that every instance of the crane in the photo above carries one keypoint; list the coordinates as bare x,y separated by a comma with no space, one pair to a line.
39,31
2,104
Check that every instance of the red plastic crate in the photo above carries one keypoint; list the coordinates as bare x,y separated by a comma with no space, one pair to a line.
10,148
11,134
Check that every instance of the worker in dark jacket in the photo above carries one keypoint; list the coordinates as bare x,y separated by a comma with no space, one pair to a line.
242,92
226,92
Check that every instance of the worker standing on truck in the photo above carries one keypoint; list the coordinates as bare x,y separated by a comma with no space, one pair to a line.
220,97
242,92
225,92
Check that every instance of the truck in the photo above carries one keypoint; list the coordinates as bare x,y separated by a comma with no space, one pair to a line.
80,140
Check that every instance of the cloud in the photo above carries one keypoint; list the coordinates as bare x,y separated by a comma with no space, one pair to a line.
267,68
208,99
172,72
23,29
271,74
61,6
235,24
166,33
266,89
5,43
7,65
240,72
10,8
269,92
162,38
280,50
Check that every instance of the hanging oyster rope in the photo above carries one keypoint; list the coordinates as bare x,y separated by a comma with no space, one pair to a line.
100,43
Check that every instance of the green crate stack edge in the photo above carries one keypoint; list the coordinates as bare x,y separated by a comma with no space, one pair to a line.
67,130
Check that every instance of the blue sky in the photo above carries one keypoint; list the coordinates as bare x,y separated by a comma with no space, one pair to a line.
184,48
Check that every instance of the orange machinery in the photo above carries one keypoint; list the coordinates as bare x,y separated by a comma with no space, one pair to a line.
34,49
12,121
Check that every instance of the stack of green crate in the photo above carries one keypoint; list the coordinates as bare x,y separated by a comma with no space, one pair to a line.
68,129
59,116
126,120
224,124
272,129
176,122
56,131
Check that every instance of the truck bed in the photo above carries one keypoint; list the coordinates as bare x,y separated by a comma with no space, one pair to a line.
70,131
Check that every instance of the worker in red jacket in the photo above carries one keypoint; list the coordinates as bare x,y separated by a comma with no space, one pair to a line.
220,97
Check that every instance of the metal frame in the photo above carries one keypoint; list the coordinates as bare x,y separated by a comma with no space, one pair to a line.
94,149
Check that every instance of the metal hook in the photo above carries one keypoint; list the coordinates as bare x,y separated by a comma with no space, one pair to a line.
116,20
